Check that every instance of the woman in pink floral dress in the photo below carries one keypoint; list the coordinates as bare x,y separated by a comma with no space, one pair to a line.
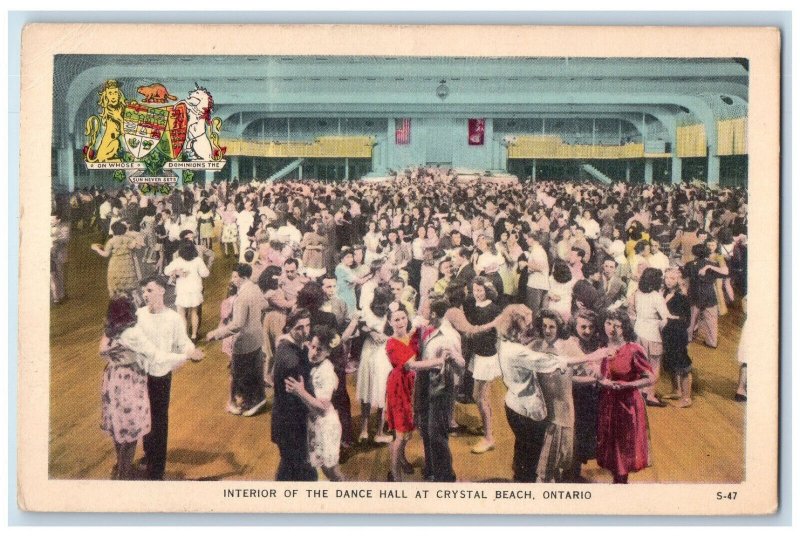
126,406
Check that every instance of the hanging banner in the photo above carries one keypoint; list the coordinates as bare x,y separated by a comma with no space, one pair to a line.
402,131
477,128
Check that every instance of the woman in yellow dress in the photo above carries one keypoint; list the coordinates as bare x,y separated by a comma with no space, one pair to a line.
717,257
119,249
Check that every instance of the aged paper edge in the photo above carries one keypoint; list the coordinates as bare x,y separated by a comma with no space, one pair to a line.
756,495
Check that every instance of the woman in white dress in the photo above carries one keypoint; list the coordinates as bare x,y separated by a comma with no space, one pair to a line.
188,270
230,232
616,249
652,315
324,427
244,221
374,366
372,241
559,297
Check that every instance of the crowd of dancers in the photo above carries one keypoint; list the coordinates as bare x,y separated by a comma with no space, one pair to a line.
426,288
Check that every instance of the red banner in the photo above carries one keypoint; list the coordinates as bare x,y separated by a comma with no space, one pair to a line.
477,128
402,131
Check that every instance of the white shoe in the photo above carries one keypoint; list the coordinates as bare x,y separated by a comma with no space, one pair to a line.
482,446
382,439
231,408
253,410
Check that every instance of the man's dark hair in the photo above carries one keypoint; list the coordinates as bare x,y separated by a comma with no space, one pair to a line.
158,279
294,317
650,280
439,306
589,269
700,251
243,270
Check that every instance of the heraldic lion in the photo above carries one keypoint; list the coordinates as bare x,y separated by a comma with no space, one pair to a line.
112,104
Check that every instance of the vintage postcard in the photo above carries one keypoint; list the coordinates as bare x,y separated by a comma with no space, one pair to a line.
399,269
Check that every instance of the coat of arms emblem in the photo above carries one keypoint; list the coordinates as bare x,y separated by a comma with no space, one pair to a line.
146,140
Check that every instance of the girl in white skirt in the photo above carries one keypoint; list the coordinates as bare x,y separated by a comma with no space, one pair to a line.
374,366
485,364
188,270
324,427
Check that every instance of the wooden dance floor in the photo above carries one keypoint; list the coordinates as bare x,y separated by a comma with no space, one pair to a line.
703,443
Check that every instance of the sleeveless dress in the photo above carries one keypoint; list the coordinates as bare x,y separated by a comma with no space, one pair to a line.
324,430
400,384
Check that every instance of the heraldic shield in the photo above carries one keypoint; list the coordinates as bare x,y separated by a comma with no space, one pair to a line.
143,127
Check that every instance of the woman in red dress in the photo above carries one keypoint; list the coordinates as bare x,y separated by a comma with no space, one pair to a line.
402,346
622,436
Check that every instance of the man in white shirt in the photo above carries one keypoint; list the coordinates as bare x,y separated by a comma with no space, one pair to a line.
434,391
288,233
172,226
657,258
104,214
590,226
167,331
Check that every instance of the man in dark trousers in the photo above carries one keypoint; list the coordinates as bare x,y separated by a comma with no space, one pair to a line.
434,391
463,274
289,413
585,392
166,330
585,295
702,273
247,363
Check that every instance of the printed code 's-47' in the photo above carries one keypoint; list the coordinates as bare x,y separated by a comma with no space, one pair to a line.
726,495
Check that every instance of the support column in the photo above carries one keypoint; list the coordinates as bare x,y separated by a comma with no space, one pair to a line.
378,165
390,140
254,169
627,171
677,170
66,167
713,169
346,169
533,170
648,171
233,162
488,138
209,178
300,171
